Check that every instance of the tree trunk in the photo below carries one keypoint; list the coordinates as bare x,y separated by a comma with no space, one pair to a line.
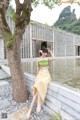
19,89
12,44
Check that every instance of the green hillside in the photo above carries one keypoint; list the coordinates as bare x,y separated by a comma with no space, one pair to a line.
67,21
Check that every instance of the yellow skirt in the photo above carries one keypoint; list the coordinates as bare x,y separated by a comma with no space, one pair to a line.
41,82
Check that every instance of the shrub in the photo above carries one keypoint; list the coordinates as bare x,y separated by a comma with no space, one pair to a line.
56,116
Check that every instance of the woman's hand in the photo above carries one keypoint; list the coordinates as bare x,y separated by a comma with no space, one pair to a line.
52,55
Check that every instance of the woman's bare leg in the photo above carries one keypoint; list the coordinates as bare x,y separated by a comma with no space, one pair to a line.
38,103
31,107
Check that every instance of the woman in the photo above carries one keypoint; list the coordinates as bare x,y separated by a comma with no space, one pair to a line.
41,81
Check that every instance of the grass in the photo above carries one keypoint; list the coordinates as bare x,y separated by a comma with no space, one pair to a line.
56,116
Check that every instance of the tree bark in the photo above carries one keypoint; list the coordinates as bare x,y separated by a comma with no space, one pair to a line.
19,90
12,45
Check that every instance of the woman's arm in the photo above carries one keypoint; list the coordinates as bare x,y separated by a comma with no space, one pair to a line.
52,55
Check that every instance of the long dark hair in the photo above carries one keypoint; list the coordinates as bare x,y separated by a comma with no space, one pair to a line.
44,50
40,53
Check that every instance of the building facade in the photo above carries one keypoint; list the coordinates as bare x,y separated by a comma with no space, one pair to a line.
38,35
35,37
66,44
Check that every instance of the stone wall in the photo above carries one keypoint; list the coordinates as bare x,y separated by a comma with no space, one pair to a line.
77,40
41,32
59,99
65,43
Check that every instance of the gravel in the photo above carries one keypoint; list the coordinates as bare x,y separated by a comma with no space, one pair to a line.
7,94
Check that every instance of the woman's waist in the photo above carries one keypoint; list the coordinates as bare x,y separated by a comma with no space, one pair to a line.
44,68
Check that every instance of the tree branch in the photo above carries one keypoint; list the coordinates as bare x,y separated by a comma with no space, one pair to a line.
3,6
23,12
6,2
1,28
26,13
19,8
5,24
